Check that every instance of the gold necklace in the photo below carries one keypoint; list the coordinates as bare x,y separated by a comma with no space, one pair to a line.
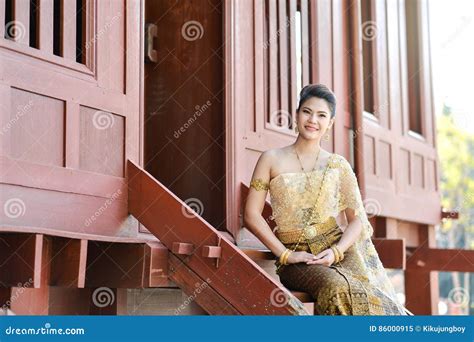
302,167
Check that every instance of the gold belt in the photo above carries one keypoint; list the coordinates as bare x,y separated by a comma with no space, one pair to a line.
316,237
309,232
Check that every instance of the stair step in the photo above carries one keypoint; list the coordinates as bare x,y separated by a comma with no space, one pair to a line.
265,254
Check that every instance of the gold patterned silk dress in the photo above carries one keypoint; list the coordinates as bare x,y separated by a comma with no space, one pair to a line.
358,285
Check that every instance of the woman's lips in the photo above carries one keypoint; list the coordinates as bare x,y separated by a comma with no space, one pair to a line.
312,129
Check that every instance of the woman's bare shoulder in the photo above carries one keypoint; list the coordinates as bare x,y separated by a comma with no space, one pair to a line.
276,153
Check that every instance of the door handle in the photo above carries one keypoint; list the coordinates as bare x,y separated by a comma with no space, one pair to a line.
151,32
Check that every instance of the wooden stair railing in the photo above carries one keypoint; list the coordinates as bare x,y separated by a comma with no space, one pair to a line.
200,255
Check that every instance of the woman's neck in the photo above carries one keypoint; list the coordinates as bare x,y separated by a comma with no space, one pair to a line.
307,147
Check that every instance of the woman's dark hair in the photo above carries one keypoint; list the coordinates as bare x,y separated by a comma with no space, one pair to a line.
319,91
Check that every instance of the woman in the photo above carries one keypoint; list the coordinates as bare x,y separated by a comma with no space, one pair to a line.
311,190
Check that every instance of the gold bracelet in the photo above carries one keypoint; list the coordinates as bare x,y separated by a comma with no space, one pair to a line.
283,256
285,261
341,255
336,254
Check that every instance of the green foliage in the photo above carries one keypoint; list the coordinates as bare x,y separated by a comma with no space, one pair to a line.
456,154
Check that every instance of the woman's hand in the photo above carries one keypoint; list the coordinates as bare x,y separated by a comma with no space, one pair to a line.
325,258
296,257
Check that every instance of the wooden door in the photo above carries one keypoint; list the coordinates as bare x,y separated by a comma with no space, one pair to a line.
273,49
184,120
69,90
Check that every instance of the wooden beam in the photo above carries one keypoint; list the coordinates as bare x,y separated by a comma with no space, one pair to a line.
240,281
156,265
199,290
392,252
435,259
421,298
68,264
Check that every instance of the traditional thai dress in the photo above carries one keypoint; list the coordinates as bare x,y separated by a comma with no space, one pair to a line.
358,285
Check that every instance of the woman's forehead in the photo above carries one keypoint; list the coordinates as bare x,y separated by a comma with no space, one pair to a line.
316,104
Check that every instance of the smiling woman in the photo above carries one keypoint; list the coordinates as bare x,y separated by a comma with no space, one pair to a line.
339,268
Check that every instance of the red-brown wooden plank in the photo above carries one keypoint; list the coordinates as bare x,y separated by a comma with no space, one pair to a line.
156,265
392,252
237,278
68,262
283,48
21,15
305,36
293,81
46,34
420,297
199,290
435,259
273,71
2,19
68,29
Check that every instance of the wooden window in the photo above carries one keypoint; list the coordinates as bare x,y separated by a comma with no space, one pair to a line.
413,65
286,60
368,46
57,27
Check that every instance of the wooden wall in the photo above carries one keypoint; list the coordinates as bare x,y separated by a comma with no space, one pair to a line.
70,94
397,168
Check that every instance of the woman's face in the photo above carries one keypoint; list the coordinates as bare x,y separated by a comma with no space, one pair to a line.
314,118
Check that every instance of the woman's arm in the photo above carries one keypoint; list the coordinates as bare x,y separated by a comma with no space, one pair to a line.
352,231
255,203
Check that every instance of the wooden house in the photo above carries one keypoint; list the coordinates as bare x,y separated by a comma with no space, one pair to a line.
118,116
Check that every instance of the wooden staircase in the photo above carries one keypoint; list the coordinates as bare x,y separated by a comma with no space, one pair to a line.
229,277
201,257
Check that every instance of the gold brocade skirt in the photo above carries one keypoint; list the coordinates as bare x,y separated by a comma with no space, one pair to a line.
340,289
